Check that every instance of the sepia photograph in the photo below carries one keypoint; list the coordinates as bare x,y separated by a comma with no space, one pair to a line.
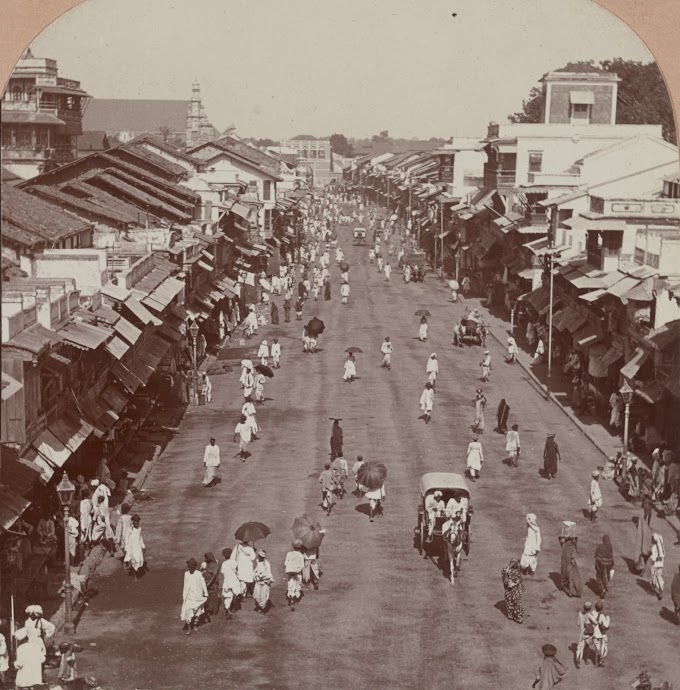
340,345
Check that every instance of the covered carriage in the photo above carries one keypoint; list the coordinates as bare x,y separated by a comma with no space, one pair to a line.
451,486
359,236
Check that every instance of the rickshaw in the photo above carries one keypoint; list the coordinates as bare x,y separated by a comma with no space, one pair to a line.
450,485
359,236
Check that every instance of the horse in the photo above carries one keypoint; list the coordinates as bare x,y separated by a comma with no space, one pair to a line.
453,538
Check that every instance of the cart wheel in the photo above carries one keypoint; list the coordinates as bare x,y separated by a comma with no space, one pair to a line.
421,539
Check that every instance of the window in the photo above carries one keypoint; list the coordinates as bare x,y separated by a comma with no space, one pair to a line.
267,220
322,152
535,161
304,152
312,153
580,113
267,191
25,138
17,93
43,137
6,136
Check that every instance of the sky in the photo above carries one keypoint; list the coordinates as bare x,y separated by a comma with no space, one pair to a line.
277,68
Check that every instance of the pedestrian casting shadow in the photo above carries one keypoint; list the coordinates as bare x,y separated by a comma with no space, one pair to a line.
593,586
245,455
585,512
644,585
557,580
216,481
362,508
507,462
500,605
668,615
632,566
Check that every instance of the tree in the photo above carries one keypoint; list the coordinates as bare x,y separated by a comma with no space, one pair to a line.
642,95
262,143
340,145
165,132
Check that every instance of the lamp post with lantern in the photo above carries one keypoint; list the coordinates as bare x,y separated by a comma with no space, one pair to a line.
627,394
66,491
193,329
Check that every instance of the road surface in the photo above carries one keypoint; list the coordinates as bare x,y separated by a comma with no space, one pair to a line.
384,617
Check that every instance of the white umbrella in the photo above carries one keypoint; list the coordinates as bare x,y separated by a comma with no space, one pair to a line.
453,284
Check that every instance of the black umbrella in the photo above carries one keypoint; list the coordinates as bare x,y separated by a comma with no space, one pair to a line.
422,312
344,266
265,370
252,531
352,350
372,474
315,327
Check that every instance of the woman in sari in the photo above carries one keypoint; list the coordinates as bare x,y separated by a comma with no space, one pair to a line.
513,589
572,582
275,314
211,575
604,564
657,556
551,672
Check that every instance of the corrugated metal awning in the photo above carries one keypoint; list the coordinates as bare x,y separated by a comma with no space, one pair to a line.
85,335
117,400
51,448
125,329
12,506
71,430
126,377
117,347
141,312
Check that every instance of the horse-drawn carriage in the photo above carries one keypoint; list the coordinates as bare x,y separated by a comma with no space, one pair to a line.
415,266
469,330
359,236
445,533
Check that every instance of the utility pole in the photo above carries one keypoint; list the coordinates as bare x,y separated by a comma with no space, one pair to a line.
550,256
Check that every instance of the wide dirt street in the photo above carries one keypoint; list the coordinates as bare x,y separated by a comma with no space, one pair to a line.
384,617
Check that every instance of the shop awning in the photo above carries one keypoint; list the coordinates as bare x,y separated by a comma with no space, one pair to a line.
651,392
205,266
17,473
126,377
527,273
32,457
12,506
116,399
163,294
633,366
129,332
141,312
538,298
586,336
593,296
71,430
84,335
147,359
570,320
51,448
117,347
171,331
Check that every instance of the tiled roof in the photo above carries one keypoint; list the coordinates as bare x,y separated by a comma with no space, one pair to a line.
263,160
163,164
37,216
84,206
135,115
163,146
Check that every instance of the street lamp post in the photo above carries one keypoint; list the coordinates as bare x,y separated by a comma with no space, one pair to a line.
627,395
193,329
66,491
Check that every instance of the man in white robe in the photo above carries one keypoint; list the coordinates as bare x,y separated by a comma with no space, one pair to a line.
134,548
532,545
211,460
30,656
595,497
276,353
427,402
432,369
244,557
434,505
231,586
194,596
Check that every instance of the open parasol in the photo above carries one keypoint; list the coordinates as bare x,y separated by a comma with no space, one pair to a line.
315,327
344,266
337,465
422,312
265,370
372,474
252,531
308,531
353,350
246,364
453,284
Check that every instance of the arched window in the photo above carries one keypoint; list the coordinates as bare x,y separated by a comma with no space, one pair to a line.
297,150
17,93
322,152
312,153
304,152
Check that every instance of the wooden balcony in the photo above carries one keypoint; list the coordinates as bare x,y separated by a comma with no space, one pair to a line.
499,178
